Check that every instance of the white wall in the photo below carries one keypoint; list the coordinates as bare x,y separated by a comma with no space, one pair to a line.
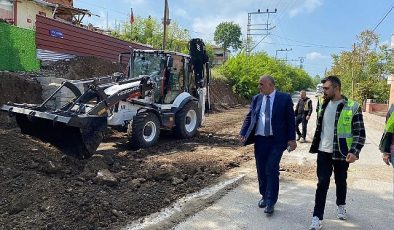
27,10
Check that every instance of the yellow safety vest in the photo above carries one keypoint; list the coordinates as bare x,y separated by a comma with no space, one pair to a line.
385,142
344,126
306,105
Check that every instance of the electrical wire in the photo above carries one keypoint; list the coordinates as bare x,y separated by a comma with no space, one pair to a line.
311,44
392,7
318,46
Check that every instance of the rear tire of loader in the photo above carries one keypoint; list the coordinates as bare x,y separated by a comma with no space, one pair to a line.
144,131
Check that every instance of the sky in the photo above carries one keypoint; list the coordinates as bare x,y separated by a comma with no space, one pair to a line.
311,30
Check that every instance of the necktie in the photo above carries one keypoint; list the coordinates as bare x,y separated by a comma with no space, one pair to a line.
267,116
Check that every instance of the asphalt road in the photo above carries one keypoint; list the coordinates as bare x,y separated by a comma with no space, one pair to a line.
369,202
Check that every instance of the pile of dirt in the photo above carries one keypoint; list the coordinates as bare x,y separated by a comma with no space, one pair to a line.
80,68
18,88
223,97
41,188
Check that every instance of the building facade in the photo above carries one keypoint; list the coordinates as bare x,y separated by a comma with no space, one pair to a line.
219,56
22,13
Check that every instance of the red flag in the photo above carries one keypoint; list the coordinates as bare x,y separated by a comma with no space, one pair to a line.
131,17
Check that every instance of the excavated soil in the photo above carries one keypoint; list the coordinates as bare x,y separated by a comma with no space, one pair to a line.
17,88
81,68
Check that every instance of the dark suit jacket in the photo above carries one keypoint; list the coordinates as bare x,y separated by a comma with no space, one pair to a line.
282,121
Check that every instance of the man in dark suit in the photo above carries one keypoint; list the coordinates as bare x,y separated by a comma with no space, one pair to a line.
270,125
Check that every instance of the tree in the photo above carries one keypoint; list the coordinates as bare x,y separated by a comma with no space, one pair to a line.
316,80
227,34
244,71
150,31
364,69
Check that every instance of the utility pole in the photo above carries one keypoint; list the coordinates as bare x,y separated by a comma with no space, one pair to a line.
302,59
261,28
285,50
354,49
166,22
107,20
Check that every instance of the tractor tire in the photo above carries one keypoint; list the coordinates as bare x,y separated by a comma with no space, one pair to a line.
187,120
144,131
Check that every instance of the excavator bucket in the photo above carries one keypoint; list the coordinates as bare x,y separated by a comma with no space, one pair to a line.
78,136
76,133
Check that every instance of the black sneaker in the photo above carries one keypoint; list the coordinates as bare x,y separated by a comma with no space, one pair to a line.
269,210
262,203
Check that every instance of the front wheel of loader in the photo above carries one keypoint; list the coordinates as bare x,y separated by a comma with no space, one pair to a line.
187,120
144,131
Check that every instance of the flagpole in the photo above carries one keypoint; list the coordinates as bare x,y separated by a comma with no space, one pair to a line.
131,23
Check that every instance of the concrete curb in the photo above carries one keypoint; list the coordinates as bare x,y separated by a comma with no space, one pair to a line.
186,206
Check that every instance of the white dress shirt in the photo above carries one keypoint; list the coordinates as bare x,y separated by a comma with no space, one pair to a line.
260,122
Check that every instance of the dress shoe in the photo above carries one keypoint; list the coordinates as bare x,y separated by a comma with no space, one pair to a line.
262,203
269,210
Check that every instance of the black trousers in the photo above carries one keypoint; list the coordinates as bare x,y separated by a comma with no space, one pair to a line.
301,120
325,166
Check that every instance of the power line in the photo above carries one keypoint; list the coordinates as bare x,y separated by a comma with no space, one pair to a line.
308,43
383,19
318,46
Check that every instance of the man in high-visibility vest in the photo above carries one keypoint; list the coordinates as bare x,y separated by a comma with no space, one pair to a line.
303,112
386,145
338,140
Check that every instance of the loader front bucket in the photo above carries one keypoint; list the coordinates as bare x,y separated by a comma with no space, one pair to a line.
78,136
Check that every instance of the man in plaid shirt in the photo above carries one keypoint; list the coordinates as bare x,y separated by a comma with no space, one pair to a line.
338,140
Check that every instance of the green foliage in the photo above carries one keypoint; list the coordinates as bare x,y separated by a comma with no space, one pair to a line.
216,74
364,69
150,31
244,72
316,80
227,34
17,49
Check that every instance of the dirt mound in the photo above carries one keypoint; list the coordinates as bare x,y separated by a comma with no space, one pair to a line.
223,97
18,88
80,68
